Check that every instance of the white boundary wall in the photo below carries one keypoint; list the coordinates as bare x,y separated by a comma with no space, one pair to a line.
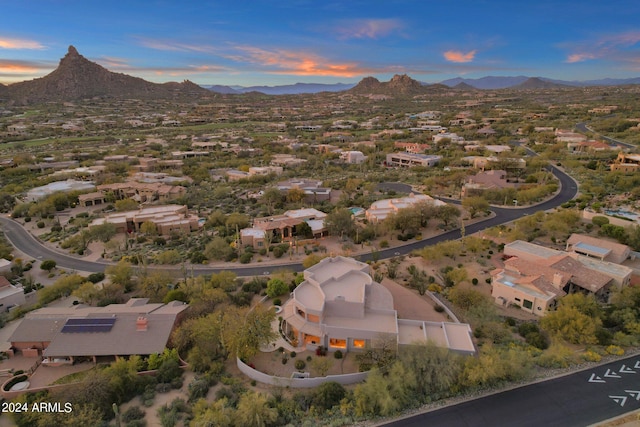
343,379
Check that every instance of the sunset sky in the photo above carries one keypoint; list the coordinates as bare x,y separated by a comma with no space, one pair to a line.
282,42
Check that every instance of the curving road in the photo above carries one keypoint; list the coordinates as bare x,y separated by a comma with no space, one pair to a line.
584,128
25,242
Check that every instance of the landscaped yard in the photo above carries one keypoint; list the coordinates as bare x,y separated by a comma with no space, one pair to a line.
271,363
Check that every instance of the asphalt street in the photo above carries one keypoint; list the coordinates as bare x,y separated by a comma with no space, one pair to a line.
25,242
578,399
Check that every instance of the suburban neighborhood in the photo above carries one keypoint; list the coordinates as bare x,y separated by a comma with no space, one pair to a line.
332,258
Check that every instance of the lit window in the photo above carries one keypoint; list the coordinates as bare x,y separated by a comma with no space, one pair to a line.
359,343
337,343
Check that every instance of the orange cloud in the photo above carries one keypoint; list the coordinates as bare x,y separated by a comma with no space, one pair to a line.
580,57
295,63
8,43
368,28
460,57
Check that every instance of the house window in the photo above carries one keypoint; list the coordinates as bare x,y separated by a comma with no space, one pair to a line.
527,304
518,299
359,343
260,244
337,343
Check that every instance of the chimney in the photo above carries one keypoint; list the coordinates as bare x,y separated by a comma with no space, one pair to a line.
141,323
557,280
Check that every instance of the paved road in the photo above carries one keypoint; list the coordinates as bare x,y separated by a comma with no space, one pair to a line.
584,128
26,243
579,399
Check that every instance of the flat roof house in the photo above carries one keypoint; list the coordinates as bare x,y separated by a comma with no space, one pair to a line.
409,160
341,307
594,247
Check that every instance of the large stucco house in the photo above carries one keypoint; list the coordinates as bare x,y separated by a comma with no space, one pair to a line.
339,306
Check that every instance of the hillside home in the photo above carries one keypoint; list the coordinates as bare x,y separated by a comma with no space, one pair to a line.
339,306
626,162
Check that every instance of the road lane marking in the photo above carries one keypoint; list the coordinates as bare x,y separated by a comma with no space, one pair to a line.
625,370
611,374
596,379
621,400
634,393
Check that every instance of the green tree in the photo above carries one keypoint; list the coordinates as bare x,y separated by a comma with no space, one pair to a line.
475,205
225,280
328,395
272,198
103,232
254,411
126,205
304,230
447,213
48,265
218,249
148,228
340,222
87,293
573,321
121,274
237,221
276,287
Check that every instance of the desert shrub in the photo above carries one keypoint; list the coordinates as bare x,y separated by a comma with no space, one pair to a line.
133,413
337,354
614,350
48,265
198,388
293,354
600,220
245,258
300,365
95,277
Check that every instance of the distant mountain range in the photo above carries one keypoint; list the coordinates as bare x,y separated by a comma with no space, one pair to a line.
496,82
78,78
458,83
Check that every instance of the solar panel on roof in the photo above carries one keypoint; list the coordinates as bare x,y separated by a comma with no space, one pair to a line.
88,324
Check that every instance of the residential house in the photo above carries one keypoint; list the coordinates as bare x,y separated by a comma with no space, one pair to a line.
313,190
10,295
485,180
598,248
284,226
409,160
64,335
168,219
620,275
626,162
381,209
339,306
353,157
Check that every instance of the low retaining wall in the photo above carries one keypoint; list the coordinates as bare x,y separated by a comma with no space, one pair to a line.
588,216
343,379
